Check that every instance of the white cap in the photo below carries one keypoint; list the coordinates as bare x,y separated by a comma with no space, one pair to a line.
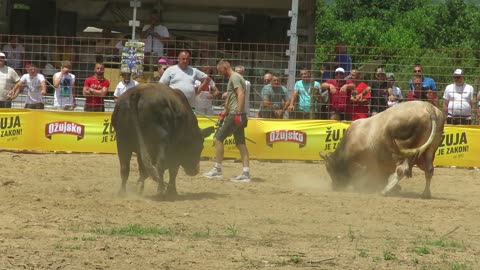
340,70
2,54
458,71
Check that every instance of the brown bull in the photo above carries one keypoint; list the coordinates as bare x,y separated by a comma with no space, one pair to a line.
385,147
157,123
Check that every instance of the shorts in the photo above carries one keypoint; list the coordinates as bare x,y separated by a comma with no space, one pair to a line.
228,128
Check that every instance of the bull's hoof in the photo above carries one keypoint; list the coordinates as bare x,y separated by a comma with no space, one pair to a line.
426,195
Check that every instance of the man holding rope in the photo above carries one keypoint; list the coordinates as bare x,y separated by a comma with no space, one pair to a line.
232,120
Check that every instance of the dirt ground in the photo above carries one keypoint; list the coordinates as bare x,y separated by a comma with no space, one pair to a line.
62,211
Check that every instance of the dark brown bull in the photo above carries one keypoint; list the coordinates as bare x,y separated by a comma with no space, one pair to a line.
157,123
384,148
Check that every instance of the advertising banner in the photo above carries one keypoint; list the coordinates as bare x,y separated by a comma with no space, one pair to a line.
265,138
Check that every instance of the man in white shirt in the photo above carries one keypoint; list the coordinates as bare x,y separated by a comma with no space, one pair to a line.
35,88
458,100
14,52
124,85
8,79
182,76
241,70
155,35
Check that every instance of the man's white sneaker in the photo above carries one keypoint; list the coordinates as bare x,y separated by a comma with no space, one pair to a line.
214,173
244,177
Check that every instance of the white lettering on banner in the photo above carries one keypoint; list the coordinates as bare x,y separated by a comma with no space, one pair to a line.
64,127
294,136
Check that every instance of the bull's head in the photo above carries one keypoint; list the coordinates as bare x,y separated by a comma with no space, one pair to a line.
337,170
191,161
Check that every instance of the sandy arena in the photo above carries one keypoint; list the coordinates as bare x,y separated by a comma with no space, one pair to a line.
61,211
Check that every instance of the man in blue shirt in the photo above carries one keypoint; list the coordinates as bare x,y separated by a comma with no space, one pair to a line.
304,95
427,84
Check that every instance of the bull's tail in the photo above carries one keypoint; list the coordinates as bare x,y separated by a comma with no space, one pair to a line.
419,151
143,152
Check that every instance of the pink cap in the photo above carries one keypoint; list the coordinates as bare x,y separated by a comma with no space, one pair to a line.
163,61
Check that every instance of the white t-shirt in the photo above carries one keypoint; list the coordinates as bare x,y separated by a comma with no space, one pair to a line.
183,79
33,88
397,93
248,85
459,99
14,55
122,87
8,78
157,44
64,93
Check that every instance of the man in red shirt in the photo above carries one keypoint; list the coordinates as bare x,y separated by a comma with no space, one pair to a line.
360,97
339,95
95,89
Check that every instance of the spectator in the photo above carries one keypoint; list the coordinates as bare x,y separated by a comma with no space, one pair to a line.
275,99
124,85
420,91
267,78
458,100
95,89
36,88
161,67
64,81
427,84
360,97
182,76
395,95
339,91
14,52
380,89
232,120
155,36
8,79
302,101
241,70
206,94
342,58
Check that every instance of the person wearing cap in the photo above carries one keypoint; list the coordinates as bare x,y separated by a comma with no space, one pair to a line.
395,95
339,91
161,67
8,80
35,88
182,76
428,84
380,89
458,100
304,95
124,84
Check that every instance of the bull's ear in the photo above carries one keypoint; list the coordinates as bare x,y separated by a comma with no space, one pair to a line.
324,156
207,131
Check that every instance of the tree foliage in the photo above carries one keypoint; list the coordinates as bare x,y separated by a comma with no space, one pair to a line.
441,35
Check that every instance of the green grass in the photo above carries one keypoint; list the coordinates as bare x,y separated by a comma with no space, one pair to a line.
423,250
295,260
363,253
388,255
202,233
232,230
445,243
459,266
133,230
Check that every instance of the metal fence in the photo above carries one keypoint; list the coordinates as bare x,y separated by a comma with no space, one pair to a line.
257,58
